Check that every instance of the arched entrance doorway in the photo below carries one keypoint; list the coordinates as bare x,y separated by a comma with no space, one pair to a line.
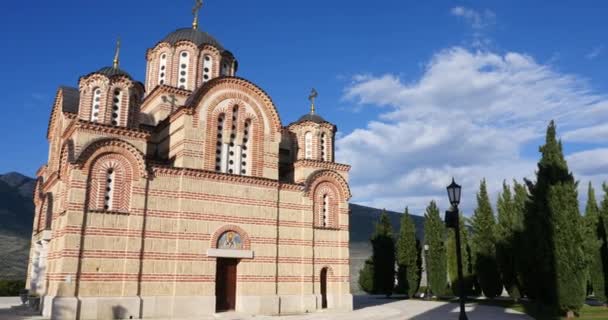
324,288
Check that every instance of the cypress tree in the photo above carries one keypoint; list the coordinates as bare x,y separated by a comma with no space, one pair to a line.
520,198
554,251
383,256
366,276
434,235
596,245
466,259
484,245
408,273
506,230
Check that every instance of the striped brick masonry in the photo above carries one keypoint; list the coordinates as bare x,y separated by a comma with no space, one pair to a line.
133,214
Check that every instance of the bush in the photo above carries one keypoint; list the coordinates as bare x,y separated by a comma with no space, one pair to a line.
11,288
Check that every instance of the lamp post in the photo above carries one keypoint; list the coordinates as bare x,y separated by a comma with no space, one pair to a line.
452,221
426,255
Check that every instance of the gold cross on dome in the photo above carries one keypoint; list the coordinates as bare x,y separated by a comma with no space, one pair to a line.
313,95
197,6
116,61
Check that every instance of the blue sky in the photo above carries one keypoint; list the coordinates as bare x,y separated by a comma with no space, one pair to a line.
403,80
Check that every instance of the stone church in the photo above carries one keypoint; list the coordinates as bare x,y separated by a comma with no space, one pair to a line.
185,195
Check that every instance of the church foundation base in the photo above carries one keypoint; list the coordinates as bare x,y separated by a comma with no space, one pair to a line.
294,304
263,305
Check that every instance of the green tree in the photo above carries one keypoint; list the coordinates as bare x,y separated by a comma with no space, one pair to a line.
520,199
484,245
383,256
507,228
595,244
434,236
553,233
366,276
452,260
408,273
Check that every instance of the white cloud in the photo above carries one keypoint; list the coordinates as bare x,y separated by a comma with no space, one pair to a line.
594,53
479,21
476,19
472,114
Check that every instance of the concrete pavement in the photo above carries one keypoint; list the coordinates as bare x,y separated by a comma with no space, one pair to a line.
366,308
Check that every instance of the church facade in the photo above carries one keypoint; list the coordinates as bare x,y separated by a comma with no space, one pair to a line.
185,195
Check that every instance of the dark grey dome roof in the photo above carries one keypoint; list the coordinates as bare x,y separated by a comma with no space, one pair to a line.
312,117
111,71
195,36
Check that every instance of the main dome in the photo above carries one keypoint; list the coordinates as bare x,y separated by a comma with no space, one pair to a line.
194,35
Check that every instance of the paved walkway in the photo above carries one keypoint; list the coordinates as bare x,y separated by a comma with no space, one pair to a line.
366,308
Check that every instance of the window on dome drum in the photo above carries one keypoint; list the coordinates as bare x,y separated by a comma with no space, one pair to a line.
162,69
325,211
207,67
225,68
109,192
324,155
95,105
117,101
221,148
184,62
308,145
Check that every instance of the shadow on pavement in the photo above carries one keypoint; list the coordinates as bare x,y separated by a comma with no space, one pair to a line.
474,311
366,300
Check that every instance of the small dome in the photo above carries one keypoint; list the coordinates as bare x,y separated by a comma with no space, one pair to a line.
194,35
312,117
111,71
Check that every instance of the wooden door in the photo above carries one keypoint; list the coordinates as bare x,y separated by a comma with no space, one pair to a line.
225,284
324,288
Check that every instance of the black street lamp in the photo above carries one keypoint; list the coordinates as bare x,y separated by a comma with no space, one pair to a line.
451,221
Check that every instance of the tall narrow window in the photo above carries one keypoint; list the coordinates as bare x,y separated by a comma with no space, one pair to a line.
220,148
184,62
233,149
162,69
225,68
117,101
245,147
324,155
325,211
109,192
207,67
308,145
95,104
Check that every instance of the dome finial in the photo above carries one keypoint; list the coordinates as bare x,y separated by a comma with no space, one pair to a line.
311,97
117,54
197,6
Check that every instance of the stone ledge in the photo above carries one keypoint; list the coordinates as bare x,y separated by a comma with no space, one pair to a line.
230,253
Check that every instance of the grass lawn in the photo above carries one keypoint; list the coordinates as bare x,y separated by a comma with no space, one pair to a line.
587,312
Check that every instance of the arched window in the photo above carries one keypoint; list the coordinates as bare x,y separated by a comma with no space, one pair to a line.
326,206
245,148
96,101
117,101
184,63
225,68
109,191
162,69
308,145
207,67
324,153
325,211
221,148
233,149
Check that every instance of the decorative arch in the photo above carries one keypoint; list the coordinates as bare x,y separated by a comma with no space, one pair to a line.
223,229
326,206
320,176
241,89
109,184
134,157
66,157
